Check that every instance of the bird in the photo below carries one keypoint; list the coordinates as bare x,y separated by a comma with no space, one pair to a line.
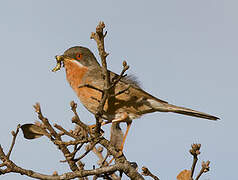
86,78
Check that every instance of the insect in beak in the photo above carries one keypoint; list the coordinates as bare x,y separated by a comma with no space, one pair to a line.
59,60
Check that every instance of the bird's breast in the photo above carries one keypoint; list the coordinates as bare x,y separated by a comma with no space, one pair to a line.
75,74
78,75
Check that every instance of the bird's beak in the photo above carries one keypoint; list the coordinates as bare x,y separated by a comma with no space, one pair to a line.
59,60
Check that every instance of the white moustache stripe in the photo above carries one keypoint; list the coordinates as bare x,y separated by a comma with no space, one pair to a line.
78,63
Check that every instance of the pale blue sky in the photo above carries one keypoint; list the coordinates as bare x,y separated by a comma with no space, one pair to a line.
184,52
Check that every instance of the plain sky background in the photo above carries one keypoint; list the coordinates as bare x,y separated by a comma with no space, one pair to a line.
184,52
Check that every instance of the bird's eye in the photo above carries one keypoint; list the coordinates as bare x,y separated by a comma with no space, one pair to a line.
78,56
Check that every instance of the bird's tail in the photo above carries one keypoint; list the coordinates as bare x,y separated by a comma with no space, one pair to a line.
165,107
190,112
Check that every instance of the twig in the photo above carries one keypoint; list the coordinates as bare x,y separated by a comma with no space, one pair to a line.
88,150
76,118
99,38
65,131
121,92
98,151
76,149
205,168
95,177
129,171
146,172
108,88
12,167
72,155
62,147
125,68
44,120
76,142
195,152
14,136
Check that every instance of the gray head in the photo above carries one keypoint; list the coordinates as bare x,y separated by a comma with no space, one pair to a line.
81,54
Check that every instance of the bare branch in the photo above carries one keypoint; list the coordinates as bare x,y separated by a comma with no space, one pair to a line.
12,167
88,150
76,118
99,38
121,92
146,172
62,147
76,142
205,168
14,136
125,68
98,152
195,152
44,120
65,131
130,171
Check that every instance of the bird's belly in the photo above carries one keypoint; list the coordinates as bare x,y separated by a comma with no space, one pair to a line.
90,98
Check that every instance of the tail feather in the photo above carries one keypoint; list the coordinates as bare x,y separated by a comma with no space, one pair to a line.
165,107
190,112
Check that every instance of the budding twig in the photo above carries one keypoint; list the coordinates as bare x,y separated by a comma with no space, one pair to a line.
205,168
14,136
146,172
195,152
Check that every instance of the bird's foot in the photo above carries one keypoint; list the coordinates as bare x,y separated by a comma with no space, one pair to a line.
119,154
92,127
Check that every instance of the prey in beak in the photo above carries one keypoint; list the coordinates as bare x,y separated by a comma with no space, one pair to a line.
59,62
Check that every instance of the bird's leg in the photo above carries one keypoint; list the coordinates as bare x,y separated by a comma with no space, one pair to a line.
124,138
123,118
102,124
117,137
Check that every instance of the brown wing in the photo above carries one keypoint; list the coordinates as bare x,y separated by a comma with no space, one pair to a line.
133,100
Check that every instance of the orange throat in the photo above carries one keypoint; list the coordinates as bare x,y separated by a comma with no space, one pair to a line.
74,73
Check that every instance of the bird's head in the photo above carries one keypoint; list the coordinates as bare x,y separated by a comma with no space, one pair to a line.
81,56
